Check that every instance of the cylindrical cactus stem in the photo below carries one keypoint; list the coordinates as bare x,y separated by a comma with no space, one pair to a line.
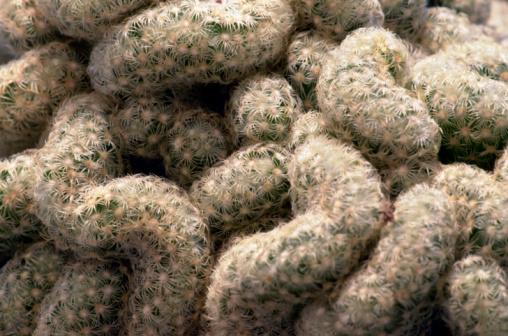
31,87
478,11
89,19
483,56
396,291
24,282
189,42
86,300
408,174
439,27
308,125
18,221
361,94
305,57
469,107
248,185
145,121
153,224
318,172
23,27
82,149
262,108
337,18
198,140
401,15
481,208
262,281
476,298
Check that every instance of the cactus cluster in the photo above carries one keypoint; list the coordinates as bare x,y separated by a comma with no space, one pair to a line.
253,167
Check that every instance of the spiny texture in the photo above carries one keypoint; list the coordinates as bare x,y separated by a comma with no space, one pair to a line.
198,140
305,57
401,15
481,209
144,122
81,150
23,27
470,108
361,94
325,174
24,282
262,109
85,300
477,297
152,223
188,42
395,292
308,125
263,280
337,18
486,57
18,223
189,138
248,185
478,11
439,27
86,19
31,87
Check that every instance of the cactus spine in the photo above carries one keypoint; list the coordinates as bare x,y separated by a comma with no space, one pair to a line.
31,87
477,295
24,282
262,281
247,186
86,20
263,109
85,300
204,42
395,292
361,94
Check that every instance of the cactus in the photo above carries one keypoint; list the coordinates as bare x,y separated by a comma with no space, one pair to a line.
24,282
86,20
396,290
197,141
477,295
439,27
478,11
262,109
187,137
361,94
470,109
151,223
248,185
190,42
337,18
401,15
144,122
31,87
483,56
18,223
81,150
305,58
22,27
85,300
481,210
261,282
310,124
